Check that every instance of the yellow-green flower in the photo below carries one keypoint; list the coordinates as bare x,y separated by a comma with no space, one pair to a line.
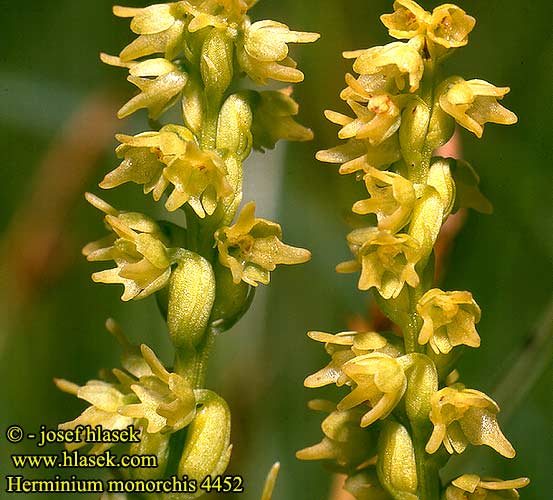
342,347
377,121
392,199
273,113
199,179
448,25
462,416
251,248
387,68
145,156
167,400
160,27
263,51
171,156
474,102
216,13
105,400
408,20
449,320
472,487
344,441
138,248
356,155
387,261
160,83
379,380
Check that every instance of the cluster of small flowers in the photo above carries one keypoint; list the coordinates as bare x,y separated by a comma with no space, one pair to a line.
401,116
190,53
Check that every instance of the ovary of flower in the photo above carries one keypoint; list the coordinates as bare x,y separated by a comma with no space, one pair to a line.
145,156
380,381
449,320
377,121
159,81
474,102
360,155
408,20
160,28
392,199
462,416
105,400
450,26
137,246
472,487
199,178
166,399
251,248
392,63
387,261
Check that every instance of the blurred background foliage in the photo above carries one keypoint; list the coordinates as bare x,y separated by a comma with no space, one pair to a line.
57,105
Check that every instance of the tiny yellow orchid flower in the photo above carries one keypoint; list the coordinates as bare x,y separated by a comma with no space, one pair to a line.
392,199
387,261
462,416
472,487
474,102
251,248
449,320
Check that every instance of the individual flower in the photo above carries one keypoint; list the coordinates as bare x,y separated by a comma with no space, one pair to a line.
171,156
105,400
377,121
472,487
391,66
199,179
449,320
408,20
138,248
450,26
342,347
160,83
216,13
263,51
387,261
474,102
344,441
462,416
166,399
360,155
145,156
251,248
379,380
392,199
273,120
160,27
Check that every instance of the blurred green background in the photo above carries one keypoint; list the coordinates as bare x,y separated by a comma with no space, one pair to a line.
57,103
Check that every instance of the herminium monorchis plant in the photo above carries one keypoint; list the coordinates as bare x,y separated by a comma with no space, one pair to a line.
191,54
405,414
